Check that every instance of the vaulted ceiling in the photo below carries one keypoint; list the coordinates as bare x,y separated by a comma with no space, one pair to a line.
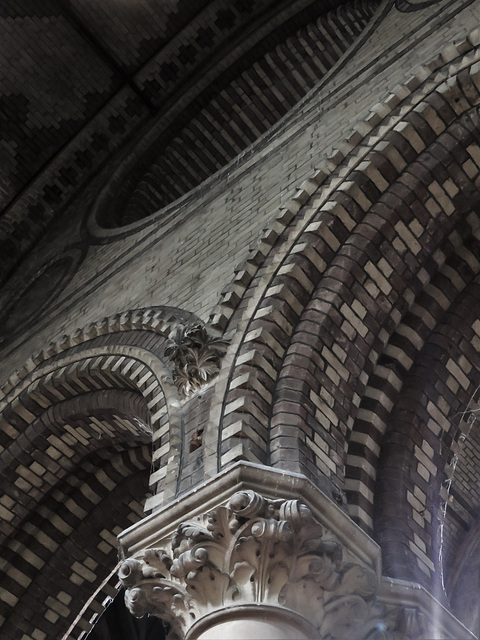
83,79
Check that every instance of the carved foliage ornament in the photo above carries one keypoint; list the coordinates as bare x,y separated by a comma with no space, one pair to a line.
196,357
253,550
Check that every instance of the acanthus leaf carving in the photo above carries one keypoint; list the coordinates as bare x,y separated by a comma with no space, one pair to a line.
195,355
252,550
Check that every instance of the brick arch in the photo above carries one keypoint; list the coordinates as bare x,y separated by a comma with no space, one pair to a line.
369,283
323,243
72,420
159,320
71,376
458,269
435,79
103,393
53,445
416,461
117,342
62,559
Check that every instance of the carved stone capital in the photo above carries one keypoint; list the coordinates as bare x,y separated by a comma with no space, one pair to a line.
252,550
226,561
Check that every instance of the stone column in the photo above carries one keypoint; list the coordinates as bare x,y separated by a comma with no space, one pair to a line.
252,621
232,561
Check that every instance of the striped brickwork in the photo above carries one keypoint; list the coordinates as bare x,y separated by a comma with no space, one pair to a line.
58,562
335,317
86,425
353,327
425,431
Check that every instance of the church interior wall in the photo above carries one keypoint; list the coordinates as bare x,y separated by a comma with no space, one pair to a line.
247,195
329,276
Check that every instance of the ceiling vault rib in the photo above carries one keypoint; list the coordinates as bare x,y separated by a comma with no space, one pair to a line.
83,30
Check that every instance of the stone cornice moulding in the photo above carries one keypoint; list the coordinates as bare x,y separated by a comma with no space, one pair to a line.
273,484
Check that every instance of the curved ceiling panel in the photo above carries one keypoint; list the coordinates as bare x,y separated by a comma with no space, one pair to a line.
83,77
240,104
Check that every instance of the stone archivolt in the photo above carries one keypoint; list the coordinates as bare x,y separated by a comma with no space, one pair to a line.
258,551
